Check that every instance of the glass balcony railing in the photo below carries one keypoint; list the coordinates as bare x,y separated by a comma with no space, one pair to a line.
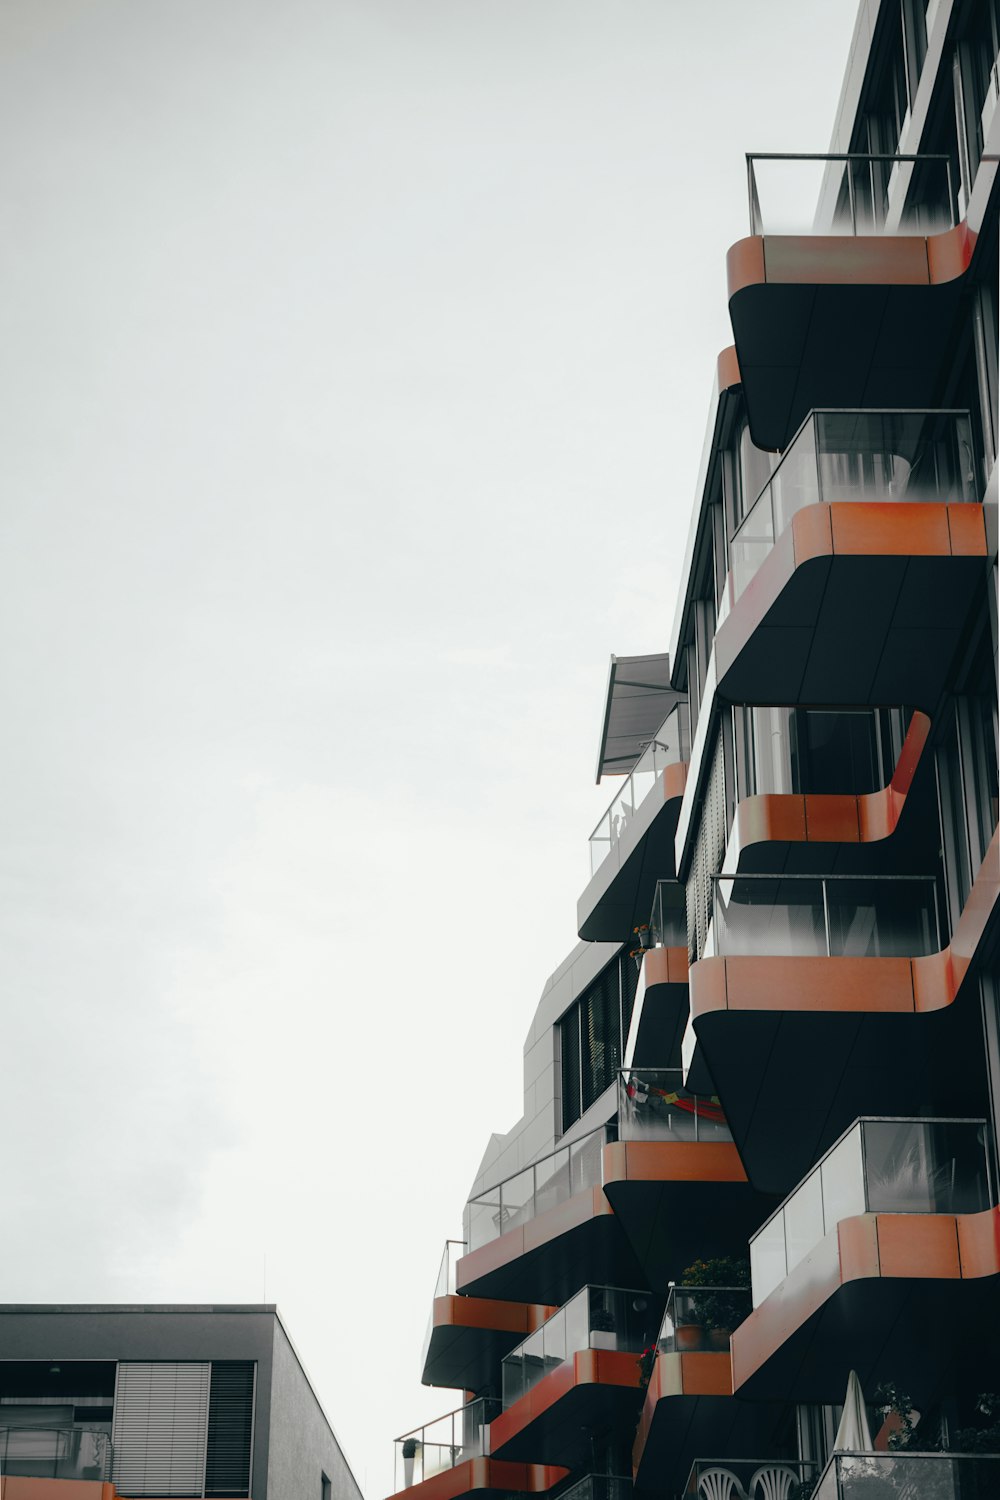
670,745
557,1177
442,1444
700,1318
598,1317
878,1166
910,1476
748,1478
850,194
599,1487
654,1105
857,456
55,1453
446,1284
825,916
818,751
668,918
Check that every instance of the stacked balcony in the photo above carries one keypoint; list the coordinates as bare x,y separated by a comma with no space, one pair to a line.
450,1458
883,1260
578,1376
849,972
632,844
468,1336
689,1406
857,297
674,1177
534,1235
866,504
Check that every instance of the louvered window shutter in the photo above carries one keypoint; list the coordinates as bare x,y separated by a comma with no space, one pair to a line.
160,1428
230,1428
569,1042
708,854
630,983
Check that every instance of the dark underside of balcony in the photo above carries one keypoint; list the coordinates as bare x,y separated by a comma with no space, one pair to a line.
565,1432
802,346
466,1358
686,1427
793,1081
919,1334
620,892
847,629
592,1248
671,1224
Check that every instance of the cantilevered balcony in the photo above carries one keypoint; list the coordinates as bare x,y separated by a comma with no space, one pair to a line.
882,1260
576,1377
847,291
674,1177
660,1009
828,776
633,843
532,1236
865,504
822,999
468,1336
448,1459
689,1406
938,1476
444,1443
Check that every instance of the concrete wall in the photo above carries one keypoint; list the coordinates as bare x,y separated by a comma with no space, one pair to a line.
293,1442
537,1132
57,1332
303,1445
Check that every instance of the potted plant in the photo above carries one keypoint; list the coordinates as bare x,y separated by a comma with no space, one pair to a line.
602,1329
723,1305
410,1446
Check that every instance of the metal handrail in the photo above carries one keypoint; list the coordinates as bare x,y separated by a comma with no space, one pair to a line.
541,1160
654,741
481,1401
896,158
845,411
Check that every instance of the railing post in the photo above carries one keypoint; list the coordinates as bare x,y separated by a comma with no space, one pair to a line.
826,920
850,197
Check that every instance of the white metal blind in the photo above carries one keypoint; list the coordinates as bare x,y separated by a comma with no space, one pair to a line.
160,1428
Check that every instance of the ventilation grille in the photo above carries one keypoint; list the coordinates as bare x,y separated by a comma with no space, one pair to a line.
230,1428
160,1428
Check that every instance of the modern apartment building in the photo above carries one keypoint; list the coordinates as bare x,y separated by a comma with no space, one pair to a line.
158,1401
759,1143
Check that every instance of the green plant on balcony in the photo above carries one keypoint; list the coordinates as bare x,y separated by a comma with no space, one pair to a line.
721,1307
984,1438
897,1409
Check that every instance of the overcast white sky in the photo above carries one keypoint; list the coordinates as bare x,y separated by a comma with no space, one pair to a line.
355,364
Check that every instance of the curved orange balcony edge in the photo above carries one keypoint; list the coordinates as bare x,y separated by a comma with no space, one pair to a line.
773,817
932,1247
705,1373
900,985
871,260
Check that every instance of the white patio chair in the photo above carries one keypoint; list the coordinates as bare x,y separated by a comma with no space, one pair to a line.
773,1482
719,1484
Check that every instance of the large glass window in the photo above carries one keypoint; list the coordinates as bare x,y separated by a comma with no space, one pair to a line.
592,1035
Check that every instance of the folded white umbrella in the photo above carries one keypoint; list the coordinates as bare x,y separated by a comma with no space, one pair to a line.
853,1434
